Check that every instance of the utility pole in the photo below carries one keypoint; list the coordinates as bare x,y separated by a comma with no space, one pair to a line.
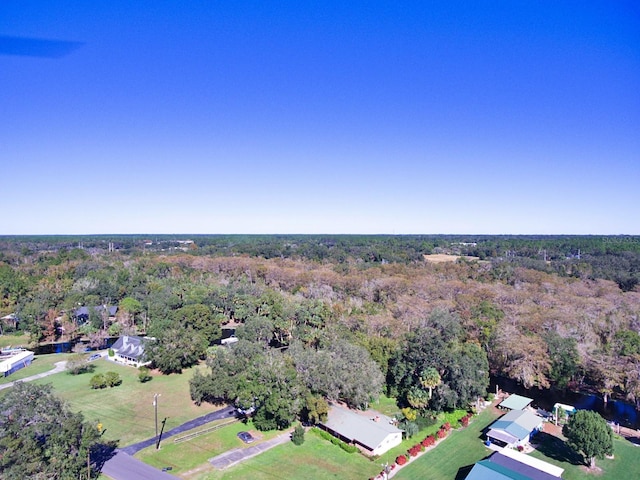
155,405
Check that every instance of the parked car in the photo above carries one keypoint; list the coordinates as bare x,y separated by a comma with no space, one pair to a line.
229,340
246,437
95,356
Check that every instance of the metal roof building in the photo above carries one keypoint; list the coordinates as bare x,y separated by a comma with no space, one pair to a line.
516,402
376,433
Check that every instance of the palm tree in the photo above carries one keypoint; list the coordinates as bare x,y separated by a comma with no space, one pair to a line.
430,379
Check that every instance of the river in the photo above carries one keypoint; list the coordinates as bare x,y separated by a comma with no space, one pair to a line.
618,411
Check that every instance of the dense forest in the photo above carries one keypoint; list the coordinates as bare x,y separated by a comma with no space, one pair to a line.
343,317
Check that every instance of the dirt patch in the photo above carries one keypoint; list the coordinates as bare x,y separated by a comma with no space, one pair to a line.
592,471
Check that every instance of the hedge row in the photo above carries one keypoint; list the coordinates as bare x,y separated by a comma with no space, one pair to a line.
336,441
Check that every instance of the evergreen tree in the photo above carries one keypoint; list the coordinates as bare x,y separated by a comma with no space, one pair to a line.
588,434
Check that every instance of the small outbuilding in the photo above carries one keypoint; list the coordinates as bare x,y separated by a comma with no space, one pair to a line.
515,402
12,360
373,432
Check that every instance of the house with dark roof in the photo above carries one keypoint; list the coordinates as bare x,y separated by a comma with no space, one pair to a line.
373,432
81,314
512,465
130,350
514,428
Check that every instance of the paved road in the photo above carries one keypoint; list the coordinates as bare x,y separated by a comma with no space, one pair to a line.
237,455
197,422
125,467
59,367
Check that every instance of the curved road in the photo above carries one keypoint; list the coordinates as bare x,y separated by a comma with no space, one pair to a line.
59,367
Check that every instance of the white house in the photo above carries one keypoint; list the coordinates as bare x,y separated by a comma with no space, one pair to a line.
374,432
130,350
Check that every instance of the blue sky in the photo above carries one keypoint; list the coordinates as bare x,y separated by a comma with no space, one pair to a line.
320,117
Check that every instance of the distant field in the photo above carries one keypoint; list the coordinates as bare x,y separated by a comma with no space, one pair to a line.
126,411
444,258
14,341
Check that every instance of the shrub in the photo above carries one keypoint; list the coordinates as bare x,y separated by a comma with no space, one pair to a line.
464,421
112,379
98,381
410,428
298,435
415,450
111,352
441,433
446,426
78,364
143,374
429,441
401,460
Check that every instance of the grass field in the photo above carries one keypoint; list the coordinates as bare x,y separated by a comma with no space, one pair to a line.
625,464
14,341
191,454
316,458
460,449
40,364
127,411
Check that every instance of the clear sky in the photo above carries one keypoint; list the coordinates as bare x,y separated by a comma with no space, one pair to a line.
320,117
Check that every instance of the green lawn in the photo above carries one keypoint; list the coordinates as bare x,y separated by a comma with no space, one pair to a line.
127,411
626,460
40,364
462,448
191,454
316,458
11,340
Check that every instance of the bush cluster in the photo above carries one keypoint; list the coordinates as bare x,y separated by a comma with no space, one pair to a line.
416,449
464,421
109,379
401,459
429,441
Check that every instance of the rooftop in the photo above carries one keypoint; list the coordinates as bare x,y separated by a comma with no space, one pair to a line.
516,402
369,430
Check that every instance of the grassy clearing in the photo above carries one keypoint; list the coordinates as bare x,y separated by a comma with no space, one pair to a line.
190,455
316,458
126,411
11,340
40,364
627,459
461,449
387,406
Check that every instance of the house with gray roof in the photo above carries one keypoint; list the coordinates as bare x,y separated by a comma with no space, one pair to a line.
515,402
373,432
130,350
512,465
514,428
